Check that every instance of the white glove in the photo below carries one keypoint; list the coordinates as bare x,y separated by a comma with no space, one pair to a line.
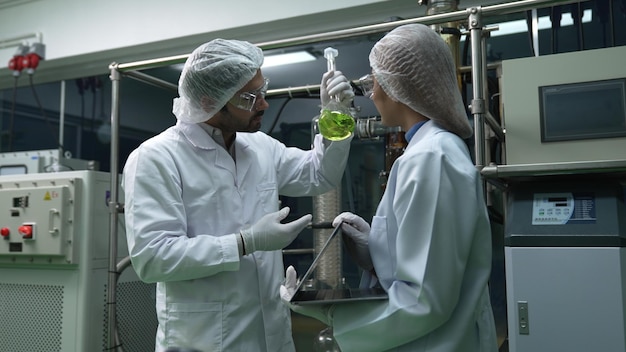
322,312
355,234
334,83
268,234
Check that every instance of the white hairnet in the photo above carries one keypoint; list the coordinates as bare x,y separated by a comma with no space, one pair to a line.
212,74
414,66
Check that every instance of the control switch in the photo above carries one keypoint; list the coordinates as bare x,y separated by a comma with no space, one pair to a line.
27,231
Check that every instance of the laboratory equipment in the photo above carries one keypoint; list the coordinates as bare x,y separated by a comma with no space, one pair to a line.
565,107
565,261
54,267
335,121
38,161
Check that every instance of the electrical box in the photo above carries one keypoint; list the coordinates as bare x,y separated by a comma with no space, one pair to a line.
54,258
37,220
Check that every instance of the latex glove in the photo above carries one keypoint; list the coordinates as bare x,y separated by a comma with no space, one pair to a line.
269,234
355,234
321,312
334,83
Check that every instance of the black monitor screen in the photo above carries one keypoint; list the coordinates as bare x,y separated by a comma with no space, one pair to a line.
583,110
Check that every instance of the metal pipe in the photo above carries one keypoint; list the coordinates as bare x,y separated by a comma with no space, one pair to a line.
19,39
313,88
495,127
290,90
485,96
505,8
152,63
551,169
140,76
119,268
122,265
113,211
299,251
490,66
143,77
61,119
478,69
534,30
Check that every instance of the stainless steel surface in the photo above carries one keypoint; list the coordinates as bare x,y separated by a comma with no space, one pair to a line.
113,214
479,69
547,169
372,128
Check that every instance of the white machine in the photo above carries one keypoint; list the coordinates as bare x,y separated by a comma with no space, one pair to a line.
54,239
565,218
565,107
565,259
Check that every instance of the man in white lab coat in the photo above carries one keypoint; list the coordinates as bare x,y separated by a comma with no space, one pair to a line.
202,208
429,245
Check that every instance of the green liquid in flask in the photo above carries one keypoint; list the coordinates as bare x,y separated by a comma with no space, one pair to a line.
335,125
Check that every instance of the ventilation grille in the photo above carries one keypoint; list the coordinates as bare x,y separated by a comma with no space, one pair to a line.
31,317
136,316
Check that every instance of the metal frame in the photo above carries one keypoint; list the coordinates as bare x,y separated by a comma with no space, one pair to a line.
473,15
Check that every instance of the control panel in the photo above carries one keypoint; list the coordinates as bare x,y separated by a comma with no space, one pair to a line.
37,221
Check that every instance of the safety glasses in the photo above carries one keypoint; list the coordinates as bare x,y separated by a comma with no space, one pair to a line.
247,100
366,83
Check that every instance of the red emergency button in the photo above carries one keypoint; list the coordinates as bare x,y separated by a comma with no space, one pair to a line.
26,231
5,232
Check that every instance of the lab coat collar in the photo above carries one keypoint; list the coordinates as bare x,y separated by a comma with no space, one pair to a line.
201,139
425,129
411,132
197,136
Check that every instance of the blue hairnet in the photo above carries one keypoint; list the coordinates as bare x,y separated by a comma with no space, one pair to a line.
211,76
414,66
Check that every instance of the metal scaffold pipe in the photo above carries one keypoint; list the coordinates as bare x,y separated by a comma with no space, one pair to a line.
509,7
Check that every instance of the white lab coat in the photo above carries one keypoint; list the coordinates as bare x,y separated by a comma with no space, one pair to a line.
430,243
185,201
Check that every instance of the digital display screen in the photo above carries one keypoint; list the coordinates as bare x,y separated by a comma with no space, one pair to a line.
583,110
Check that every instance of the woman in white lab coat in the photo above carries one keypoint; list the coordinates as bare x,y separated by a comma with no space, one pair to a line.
202,208
429,245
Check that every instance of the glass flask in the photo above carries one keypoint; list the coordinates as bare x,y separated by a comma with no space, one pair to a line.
335,121
335,124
